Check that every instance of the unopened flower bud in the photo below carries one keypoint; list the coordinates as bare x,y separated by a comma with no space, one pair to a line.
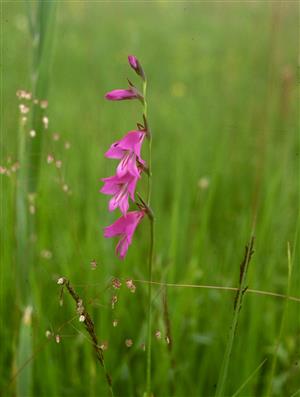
136,66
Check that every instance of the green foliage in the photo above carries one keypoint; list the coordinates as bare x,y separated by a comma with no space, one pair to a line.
222,93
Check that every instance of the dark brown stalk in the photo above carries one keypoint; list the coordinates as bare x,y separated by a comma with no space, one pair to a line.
89,326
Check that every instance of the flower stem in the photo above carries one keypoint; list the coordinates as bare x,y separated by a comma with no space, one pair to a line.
149,331
151,251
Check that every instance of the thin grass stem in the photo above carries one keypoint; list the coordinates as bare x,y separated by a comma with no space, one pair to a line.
151,247
249,378
282,323
220,391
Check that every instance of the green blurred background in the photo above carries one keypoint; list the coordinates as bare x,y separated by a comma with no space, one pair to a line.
222,98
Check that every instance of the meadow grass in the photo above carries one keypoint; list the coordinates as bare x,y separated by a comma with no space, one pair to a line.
222,96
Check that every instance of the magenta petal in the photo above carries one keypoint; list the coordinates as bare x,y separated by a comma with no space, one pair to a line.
124,227
128,166
132,141
110,185
122,248
114,152
119,186
131,187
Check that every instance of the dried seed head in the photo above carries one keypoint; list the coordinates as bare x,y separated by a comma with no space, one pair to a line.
48,334
93,264
130,285
23,108
44,104
203,183
58,163
128,342
65,187
104,345
80,307
57,339
50,159
15,167
61,281
22,94
81,318
116,283
114,300
46,254
45,121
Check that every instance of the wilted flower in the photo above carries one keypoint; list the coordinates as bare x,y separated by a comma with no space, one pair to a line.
125,228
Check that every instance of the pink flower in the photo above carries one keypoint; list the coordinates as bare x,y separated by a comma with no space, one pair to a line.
125,228
128,149
121,188
120,95
133,62
136,66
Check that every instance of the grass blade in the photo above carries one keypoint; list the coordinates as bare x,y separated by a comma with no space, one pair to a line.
249,378
237,307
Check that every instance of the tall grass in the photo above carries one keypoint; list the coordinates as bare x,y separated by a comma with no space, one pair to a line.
40,21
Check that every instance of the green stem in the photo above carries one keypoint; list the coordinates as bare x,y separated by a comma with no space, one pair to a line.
149,332
282,324
151,249
220,392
